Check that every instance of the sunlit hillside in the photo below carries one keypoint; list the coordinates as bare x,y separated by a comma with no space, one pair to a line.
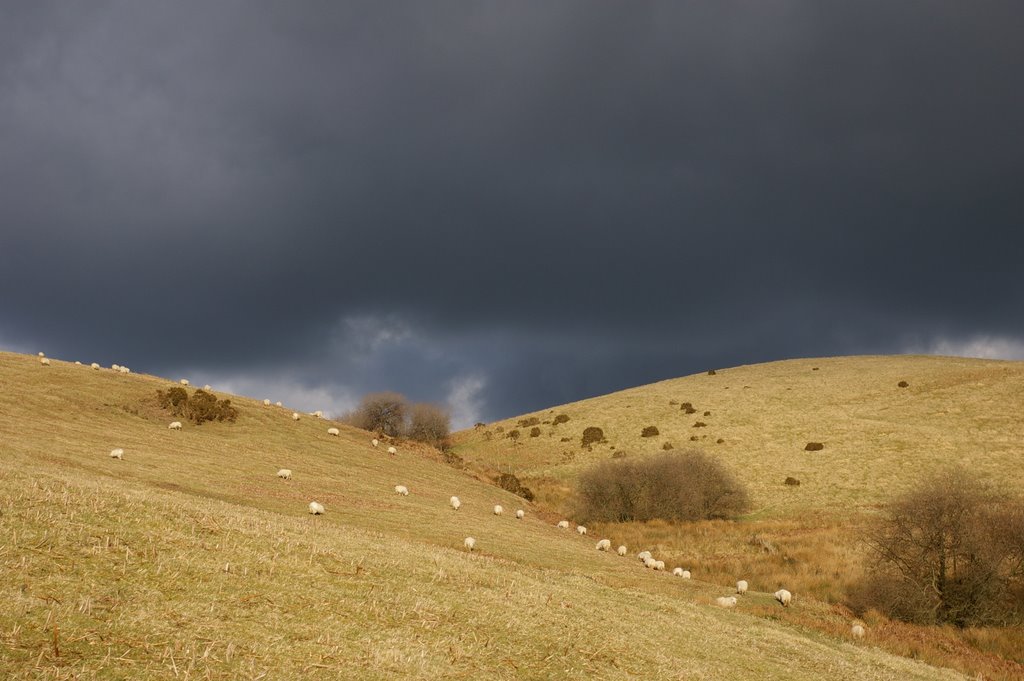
189,558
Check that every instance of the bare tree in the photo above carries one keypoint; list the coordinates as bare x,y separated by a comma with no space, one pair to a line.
382,412
429,423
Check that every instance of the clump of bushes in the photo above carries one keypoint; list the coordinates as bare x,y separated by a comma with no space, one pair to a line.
535,432
673,486
719,441
199,407
902,384
512,434
509,482
649,431
526,423
793,482
707,413
950,551
711,372
561,418
688,408
453,459
700,424
814,447
391,414
566,439
592,434
667,446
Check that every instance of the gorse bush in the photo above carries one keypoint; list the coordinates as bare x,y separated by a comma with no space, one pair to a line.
649,431
950,551
592,434
509,482
199,408
561,418
673,486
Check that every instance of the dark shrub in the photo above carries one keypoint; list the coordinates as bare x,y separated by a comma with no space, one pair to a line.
707,413
566,439
199,408
381,413
535,432
649,431
814,447
561,418
429,423
950,551
509,482
453,459
686,486
479,425
902,384
694,438
592,434
719,441
700,424
526,423
711,372
499,429
512,435
667,446
792,481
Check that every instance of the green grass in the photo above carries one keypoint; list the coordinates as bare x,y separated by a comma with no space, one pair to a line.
190,559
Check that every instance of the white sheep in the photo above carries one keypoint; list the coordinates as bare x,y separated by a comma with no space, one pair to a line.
95,366
686,574
124,370
726,601
319,414
45,361
649,562
520,514
175,425
857,631
402,489
183,381
498,510
741,587
42,354
285,474
316,508
784,597
333,431
295,416
207,387
392,451
563,524
454,501
643,555
278,404
621,550
266,403
117,454
581,530
77,363
604,545
115,367
374,442
659,565
677,572
469,543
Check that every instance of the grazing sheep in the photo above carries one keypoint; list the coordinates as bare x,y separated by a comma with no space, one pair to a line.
582,531
319,414
469,543
498,510
456,504
183,381
278,404
285,474
42,354
604,545
857,631
563,524
117,454
402,489
650,562
333,431
621,550
520,514
124,370
77,363
659,565
115,367
392,451
45,361
295,416
374,442
677,572
686,574
316,508
741,587
95,366
207,387
643,555
784,597
726,601
266,403
175,425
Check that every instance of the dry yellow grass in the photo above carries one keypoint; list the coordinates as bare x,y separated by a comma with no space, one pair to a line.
879,439
190,559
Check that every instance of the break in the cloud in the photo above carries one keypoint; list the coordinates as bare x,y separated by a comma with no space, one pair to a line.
984,347
327,199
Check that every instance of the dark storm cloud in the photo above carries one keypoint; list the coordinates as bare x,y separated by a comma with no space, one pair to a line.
517,204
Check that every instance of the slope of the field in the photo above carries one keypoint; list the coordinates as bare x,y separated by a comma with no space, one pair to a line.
190,559
878,437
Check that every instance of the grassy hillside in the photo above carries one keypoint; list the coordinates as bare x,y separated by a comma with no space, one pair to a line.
190,559
878,438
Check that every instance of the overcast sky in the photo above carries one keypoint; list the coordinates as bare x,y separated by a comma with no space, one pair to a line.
504,206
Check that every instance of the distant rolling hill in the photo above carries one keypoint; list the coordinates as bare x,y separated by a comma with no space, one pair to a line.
190,559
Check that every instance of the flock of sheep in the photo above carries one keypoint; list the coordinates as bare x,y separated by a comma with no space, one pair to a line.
783,596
